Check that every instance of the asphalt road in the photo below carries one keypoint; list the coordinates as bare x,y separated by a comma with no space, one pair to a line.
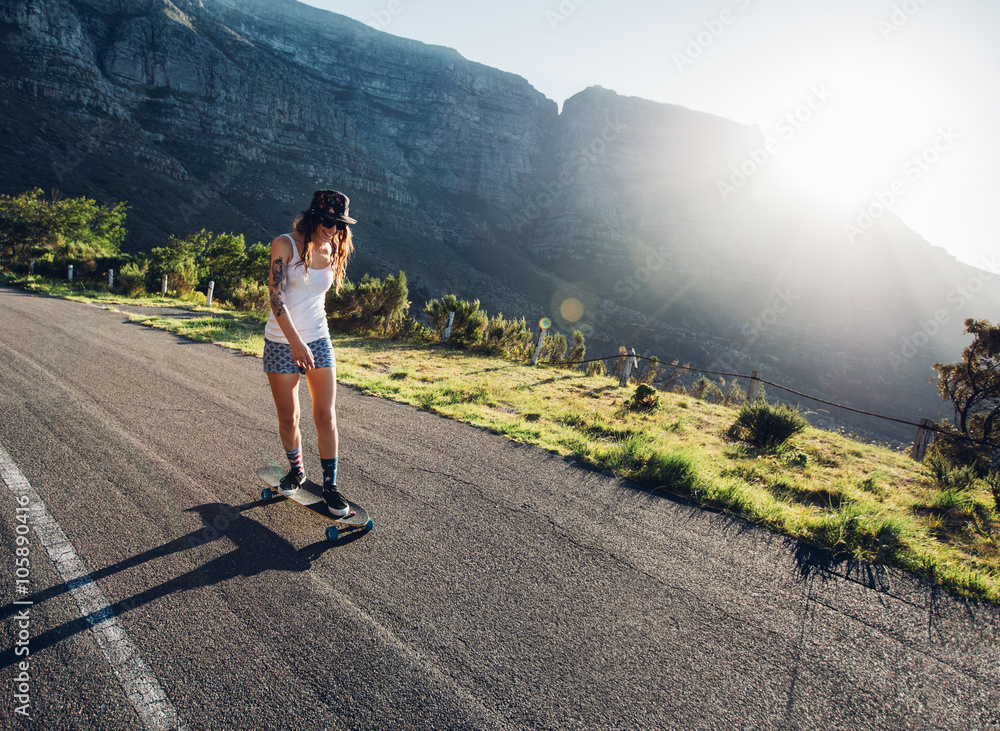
502,588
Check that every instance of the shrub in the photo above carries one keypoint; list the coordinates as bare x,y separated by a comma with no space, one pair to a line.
579,350
468,326
554,348
597,368
948,476
372,305
222,259
251,296
644,399
131,278
176,262
508,337
705,390
735,395
767,426
59,230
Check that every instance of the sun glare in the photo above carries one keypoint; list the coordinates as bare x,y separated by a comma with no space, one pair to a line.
861,134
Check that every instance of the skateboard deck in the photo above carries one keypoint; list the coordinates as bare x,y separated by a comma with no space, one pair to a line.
310,496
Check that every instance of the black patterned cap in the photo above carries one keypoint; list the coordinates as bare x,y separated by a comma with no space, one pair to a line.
331,203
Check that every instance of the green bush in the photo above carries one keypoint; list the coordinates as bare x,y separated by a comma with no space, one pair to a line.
251,296
735,395
131,278
579,350
645,398
372,306
947,475
706,390
767,426
469,324
507,337
554,347
222,259
78,231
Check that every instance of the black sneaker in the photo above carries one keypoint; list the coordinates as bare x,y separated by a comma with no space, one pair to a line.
335,502
291,482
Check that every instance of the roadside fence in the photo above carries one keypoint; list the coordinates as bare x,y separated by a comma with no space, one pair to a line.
628,362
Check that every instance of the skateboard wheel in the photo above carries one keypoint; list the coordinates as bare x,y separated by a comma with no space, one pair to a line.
266,494
332,534
369,525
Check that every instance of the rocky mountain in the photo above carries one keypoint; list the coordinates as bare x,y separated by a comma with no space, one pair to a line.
640,223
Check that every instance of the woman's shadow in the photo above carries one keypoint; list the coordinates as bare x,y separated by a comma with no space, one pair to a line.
258,549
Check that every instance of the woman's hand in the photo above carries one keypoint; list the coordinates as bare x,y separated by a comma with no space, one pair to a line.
302,356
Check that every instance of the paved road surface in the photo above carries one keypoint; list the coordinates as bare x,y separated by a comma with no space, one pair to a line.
503,588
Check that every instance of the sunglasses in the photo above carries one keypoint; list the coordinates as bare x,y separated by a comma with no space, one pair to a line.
330,222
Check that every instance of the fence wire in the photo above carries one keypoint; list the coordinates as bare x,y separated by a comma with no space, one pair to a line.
932,427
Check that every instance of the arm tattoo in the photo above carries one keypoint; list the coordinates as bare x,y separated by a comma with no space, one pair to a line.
278,282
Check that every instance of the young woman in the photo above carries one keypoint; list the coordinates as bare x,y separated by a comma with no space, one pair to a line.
304,265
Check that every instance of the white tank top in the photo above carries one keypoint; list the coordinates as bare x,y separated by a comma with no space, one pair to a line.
305,301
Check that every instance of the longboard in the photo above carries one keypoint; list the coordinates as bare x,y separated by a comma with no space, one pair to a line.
310,496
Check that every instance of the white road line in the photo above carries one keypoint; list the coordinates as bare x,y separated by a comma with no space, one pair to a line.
139,684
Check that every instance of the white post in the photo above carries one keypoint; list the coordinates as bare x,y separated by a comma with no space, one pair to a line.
538,347
754,384
163,286
32,266
69,273
630,363
111,277
208,298
447,328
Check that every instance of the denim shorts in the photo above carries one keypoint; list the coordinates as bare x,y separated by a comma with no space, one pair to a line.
278,356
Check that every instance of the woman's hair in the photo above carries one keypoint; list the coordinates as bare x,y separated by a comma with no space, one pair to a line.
343,247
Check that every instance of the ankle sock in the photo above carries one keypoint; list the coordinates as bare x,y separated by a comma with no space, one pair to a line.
295,460
329,472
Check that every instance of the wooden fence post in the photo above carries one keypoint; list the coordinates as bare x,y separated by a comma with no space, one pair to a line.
630,362
754,385
924,435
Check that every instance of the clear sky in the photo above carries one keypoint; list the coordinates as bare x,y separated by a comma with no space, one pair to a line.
904,94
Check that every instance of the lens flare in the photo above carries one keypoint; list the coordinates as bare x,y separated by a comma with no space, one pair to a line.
571,309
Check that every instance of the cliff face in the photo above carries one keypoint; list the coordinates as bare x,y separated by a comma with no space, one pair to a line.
227,114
